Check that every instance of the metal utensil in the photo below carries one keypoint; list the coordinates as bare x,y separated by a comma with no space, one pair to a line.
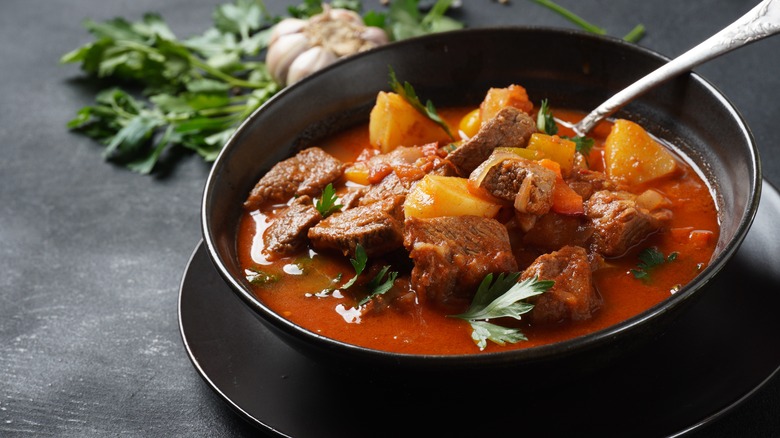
760,22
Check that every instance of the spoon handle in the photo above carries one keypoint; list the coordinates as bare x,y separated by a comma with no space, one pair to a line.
760,22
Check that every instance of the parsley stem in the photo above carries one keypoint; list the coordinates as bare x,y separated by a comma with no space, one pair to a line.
574,18
225,110
636,34
232,80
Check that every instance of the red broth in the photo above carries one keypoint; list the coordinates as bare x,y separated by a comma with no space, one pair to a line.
418,329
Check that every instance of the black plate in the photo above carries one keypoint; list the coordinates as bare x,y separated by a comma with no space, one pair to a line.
723,349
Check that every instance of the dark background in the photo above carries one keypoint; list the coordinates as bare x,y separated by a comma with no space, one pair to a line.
91,255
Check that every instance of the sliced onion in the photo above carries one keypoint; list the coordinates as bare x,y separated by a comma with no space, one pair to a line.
498,156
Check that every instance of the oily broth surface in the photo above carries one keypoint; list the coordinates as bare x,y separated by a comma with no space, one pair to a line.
428,331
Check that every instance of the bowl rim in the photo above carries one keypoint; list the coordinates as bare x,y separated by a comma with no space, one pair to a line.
530,354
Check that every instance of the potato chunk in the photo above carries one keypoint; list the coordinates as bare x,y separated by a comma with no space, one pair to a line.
555,148
632,156
436,196
498,98
394,122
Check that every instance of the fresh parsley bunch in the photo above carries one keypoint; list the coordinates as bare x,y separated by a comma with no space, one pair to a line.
191,93
194,93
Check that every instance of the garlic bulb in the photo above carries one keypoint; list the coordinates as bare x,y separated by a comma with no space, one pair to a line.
298,48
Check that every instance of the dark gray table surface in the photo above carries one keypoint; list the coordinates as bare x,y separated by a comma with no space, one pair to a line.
92,255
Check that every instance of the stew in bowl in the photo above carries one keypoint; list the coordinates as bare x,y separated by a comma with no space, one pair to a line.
477,230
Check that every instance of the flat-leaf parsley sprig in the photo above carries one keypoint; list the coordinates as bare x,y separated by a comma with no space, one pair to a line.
500,299
649,259
327,203
165,93
406,91
191,93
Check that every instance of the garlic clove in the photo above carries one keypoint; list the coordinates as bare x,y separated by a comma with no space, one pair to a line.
308,62
283,52
375,35
286,27
346,15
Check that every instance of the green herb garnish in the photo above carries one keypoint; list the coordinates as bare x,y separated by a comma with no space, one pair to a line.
649,259
379,284
428,110
333,285
358,263
259,277
499,299
326,205
583,144
545,122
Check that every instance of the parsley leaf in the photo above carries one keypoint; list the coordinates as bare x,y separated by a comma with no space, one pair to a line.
405,21
407,92
326,205
545,121
378,286
649,259
358,263
583,145
259,277
499,299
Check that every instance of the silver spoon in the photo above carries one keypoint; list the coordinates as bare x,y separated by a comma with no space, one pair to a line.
760,22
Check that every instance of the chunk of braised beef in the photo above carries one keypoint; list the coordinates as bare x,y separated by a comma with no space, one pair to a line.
351,198
306,173
573,296
287,232
528,185
391,186
377,227
619,222
453,254
553,231
587,182
509,128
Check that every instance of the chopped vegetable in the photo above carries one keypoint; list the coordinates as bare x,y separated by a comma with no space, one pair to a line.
437,195
633,156
554,148
565,199
497,99
394,122
407,92
470,123
500,299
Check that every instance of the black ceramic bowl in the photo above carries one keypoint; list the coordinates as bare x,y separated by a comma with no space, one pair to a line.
570,68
